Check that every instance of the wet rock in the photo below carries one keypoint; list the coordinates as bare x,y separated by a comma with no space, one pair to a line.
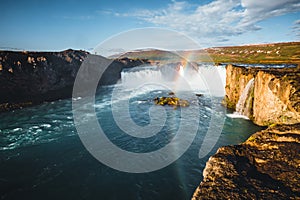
266,166
171,101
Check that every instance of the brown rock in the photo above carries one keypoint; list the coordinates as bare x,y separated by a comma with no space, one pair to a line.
276,98
236,81
266,166
171,101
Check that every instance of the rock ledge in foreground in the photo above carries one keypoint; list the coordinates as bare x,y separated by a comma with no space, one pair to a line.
266,166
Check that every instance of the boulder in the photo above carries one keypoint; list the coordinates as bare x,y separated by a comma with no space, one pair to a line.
171,101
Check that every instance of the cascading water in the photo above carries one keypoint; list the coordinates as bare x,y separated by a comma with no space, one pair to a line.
137,76
183,78
244,105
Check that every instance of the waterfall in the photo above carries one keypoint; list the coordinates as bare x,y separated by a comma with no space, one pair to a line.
177,79
138,76
244,105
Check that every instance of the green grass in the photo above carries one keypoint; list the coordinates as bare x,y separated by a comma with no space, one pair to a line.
269,53
265,53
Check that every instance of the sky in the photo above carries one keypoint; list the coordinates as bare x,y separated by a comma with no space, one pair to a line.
53,25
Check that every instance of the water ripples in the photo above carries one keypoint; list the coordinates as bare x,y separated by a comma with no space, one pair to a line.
35,125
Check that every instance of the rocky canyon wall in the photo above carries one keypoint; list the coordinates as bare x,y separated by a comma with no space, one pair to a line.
29,78
276,96
266,166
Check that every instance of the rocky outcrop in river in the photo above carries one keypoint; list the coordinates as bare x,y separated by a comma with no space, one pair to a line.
29,78
266,166
276,95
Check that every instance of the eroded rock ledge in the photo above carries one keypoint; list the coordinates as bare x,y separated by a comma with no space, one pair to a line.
266,166
30,78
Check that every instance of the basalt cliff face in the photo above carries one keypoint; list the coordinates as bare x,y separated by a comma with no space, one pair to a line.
29,78
266,166
276,95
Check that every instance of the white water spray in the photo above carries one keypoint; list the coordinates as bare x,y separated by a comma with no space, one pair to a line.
176,79
242,107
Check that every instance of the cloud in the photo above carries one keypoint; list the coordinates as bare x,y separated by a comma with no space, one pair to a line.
270,6
296,28
218,20
297,22
256,11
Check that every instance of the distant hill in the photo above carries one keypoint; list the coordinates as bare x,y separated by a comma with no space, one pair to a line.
150,54
288,52
264,53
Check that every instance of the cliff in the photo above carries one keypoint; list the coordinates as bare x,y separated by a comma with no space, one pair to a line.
266,166
276,95
30,78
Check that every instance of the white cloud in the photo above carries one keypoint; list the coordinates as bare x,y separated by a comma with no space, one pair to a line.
218,20
296,28
278,6
256,11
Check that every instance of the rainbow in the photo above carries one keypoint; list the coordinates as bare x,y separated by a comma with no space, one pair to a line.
180,69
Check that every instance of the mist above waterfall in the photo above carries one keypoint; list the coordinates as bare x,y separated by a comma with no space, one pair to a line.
176,77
